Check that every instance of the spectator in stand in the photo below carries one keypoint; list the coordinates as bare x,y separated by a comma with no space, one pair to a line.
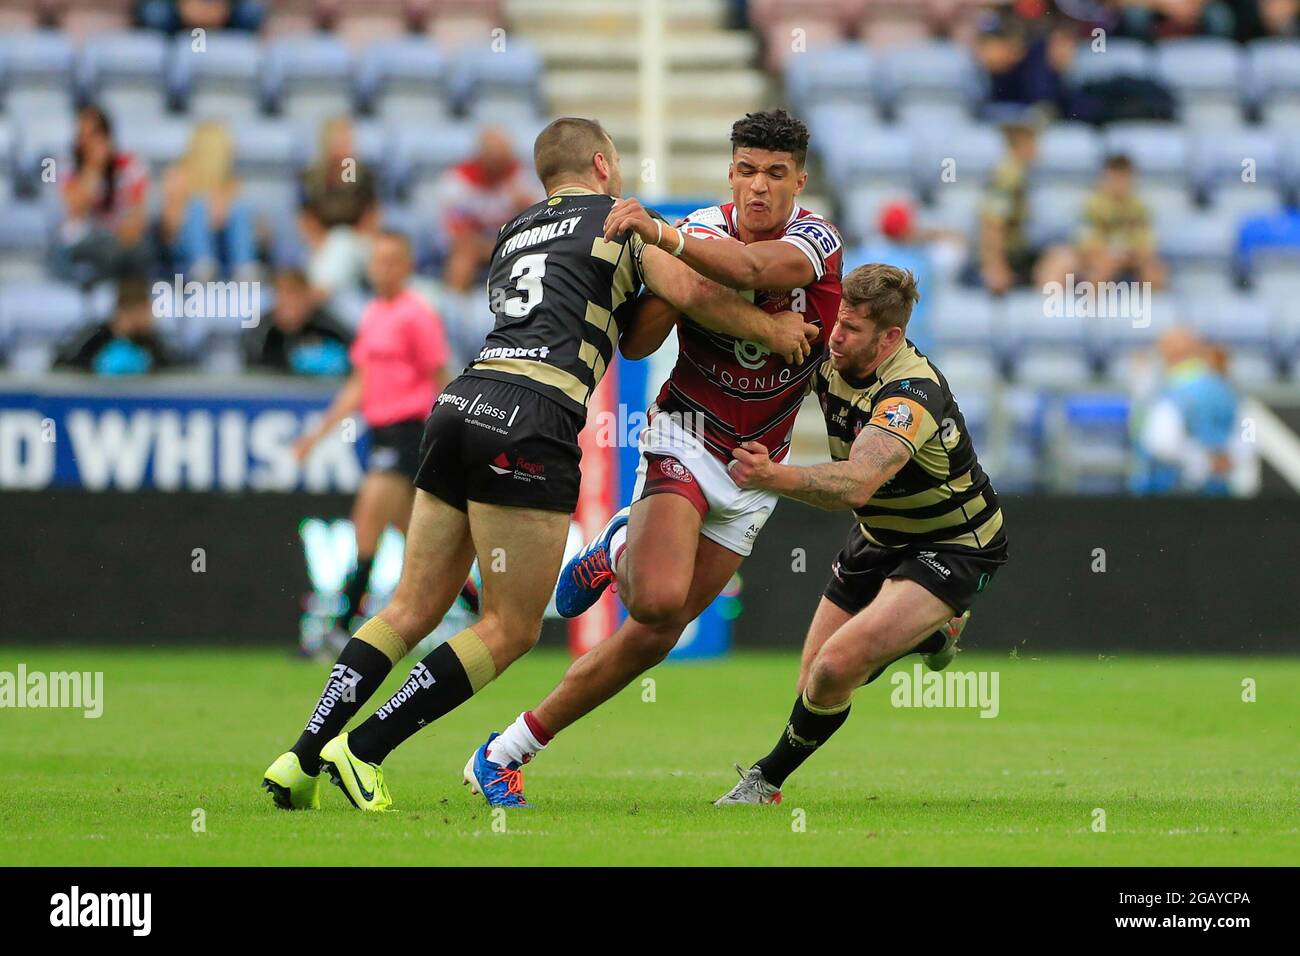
1007,258
1116,240
208,229
299,335
1186,437
1026,66
934,256
1267,18
105,232
477,198
399,365
127,344
1152,20
340,210
173,16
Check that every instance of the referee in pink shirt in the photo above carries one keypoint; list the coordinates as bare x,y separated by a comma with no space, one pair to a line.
399,365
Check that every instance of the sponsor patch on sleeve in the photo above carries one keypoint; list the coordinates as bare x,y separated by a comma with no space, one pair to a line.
900,416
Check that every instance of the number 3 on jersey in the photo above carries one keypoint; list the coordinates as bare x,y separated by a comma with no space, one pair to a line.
527,277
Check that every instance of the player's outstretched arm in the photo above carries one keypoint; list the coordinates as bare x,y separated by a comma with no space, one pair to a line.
771,264
876,456
785,333
650,320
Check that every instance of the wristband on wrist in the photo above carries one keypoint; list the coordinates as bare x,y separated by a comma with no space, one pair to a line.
681,243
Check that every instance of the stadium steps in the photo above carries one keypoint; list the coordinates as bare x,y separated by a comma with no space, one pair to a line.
713,77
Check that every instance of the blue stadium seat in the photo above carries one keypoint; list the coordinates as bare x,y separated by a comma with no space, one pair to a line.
966,154
1126,323
125,72
827,120
1249,370
1273,68
42,136
1212,277
966,322
970,373
1054,211
1238,321
1200,239
1069,153
309,78
481,71
1166,201
269,147
40,310
8,162
220,81
38,73
1093,444
1277,283
158,141
1053,368
404,80
1121,57
420,159
933,71
1026,322
840,73
881,160
1158,150
24,240
955,206
1243,200
1221,157
1200,64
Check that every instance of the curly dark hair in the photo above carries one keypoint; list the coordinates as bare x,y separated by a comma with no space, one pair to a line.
776,130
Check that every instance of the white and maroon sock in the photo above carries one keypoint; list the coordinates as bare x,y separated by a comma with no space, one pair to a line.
520,742
617,545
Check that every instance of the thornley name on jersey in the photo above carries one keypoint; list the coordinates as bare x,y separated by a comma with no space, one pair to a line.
552,230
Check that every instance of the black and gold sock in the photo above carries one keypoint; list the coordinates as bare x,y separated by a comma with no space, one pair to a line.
450,675
810,726
362,666
354,592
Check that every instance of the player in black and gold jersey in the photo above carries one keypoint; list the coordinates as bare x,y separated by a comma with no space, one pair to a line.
498,475
928,535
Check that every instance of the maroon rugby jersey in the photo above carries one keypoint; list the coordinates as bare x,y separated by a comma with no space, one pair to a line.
736,391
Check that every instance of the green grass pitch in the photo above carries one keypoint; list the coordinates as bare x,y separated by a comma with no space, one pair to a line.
1185,771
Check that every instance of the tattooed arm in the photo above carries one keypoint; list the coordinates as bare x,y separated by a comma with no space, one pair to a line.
876,456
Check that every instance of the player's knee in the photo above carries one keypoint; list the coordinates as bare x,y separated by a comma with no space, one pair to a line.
412,619
656,603
832,672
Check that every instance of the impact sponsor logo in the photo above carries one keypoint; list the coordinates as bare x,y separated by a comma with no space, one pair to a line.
420,677
924,688
63,690
342,686
514,351
77,909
